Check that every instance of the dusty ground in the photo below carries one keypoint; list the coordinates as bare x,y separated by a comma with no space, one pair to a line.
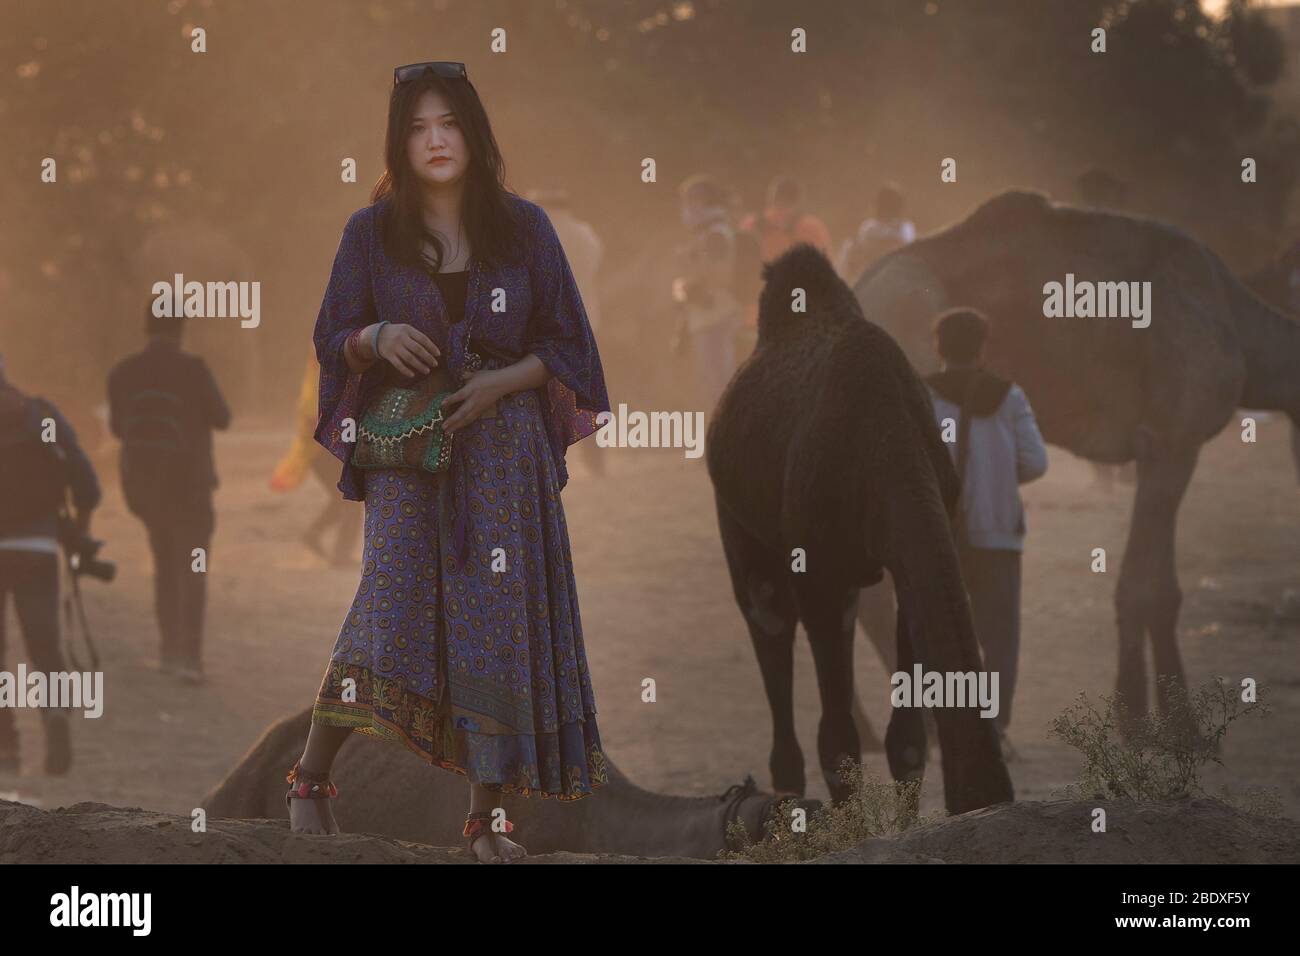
95,833
656,602
1190,831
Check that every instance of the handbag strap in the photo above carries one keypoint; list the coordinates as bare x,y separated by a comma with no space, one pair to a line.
467,317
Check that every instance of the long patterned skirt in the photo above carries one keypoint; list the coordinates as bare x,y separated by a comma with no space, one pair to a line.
477,667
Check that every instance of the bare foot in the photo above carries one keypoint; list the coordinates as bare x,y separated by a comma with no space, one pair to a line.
312,816
310,802
497,848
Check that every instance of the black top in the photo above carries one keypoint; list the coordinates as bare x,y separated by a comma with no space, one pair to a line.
454,287
27,515
200,406
979,392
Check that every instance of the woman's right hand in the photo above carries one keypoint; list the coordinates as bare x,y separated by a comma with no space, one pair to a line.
407,349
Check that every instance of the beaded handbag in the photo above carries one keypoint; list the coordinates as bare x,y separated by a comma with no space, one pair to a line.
402,425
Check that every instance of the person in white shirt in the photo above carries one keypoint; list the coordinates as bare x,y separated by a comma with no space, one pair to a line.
710,315
997,448
878,235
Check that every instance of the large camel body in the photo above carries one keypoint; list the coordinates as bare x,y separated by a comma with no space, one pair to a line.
1100,387
387,791
824,446
1278,284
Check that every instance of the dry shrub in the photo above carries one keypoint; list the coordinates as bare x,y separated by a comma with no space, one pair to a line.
872,809
1158,756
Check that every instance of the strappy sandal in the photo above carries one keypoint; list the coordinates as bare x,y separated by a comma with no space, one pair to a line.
479,824
309,786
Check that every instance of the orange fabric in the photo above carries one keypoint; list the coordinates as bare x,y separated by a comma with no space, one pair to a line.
776,238
292,468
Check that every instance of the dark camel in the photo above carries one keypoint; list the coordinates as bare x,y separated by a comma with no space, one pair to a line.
1101,388
387,791
1278,284
825,441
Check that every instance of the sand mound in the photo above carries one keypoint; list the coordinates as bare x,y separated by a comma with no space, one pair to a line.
1060,831
1193,831
97,833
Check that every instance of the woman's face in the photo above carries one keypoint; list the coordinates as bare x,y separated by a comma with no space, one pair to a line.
435,145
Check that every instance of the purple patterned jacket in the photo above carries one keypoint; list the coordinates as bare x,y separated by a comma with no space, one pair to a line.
543,314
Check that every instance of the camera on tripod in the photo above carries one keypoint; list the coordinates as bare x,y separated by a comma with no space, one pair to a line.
81,551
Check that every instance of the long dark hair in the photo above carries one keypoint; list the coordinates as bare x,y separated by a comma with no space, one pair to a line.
486,210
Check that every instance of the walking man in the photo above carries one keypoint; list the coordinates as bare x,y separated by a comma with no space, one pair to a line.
163,405
997,448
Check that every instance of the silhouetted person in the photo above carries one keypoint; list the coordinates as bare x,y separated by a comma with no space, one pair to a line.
163,405
783,222
998,448
709,315
878,235
34,479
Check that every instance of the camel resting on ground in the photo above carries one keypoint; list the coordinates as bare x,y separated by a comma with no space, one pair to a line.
1101,387
387,791
825,441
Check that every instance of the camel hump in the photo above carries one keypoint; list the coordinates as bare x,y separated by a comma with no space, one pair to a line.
242,794
802,266
1010,209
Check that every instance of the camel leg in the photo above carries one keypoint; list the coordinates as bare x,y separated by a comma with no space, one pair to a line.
905,739
760,581
870,742
875,612
827,615
878,615
1148,598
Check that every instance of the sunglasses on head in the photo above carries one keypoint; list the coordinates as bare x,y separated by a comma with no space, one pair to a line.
447,69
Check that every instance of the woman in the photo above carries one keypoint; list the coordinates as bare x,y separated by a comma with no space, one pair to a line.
464,641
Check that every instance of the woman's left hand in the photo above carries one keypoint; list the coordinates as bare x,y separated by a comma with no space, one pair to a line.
477,399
